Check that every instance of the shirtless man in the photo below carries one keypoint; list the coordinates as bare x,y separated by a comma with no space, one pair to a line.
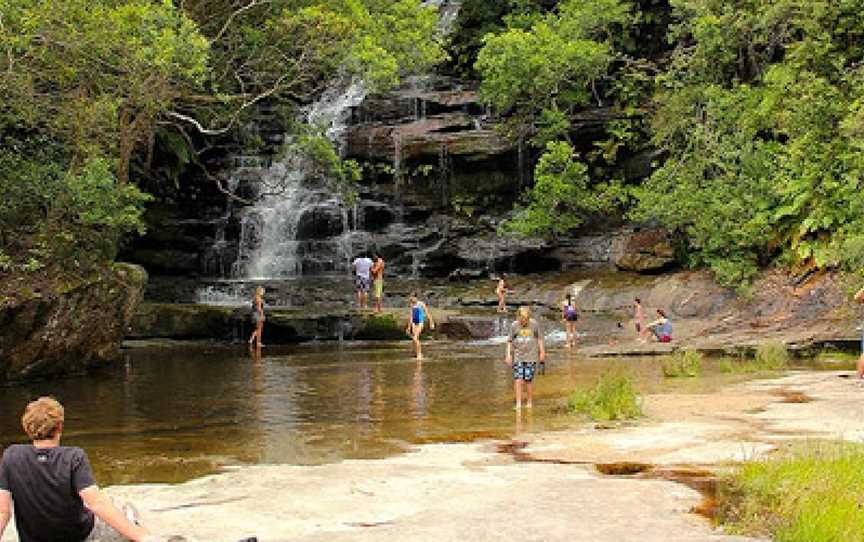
377,272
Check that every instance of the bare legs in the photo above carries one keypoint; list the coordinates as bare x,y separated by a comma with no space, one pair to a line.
861,367
517,390
570,328
362,299
256,335
416,330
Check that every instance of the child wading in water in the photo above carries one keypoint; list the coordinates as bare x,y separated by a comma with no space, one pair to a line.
570,315
500,292
416,319
524,350
257,317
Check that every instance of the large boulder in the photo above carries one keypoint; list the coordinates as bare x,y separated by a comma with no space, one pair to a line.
643,251
74,328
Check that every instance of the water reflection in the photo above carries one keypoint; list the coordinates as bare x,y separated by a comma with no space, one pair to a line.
170,414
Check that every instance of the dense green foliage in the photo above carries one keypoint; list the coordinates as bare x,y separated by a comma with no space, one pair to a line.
91,87
757,110
808,493
760,114
614,397
685,363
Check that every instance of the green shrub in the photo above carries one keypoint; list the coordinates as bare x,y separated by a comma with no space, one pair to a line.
769,357
685,363
613,397
772,356
739,365
808,493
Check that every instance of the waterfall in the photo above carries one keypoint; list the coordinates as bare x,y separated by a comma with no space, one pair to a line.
269,242
521,164
444,174
397,157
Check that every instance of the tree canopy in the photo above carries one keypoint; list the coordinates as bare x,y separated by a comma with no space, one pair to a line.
89,85
755,111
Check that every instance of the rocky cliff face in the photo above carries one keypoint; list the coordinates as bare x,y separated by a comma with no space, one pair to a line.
438,179
72,330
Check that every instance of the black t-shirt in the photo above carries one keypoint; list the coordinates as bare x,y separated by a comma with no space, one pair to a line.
44,483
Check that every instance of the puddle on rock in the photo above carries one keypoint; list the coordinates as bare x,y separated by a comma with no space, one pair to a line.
793,396
622,468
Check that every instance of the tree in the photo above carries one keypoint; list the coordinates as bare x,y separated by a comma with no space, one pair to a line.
541,71
759,116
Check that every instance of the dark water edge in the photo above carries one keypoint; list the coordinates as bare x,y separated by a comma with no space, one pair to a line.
170,414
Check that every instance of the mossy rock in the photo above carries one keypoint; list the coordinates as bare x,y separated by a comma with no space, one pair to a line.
382,327
178,321
72,326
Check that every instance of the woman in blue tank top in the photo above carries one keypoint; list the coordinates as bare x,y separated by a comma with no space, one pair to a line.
416,321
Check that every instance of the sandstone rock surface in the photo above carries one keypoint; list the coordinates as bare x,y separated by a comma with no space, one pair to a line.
643,251
72,329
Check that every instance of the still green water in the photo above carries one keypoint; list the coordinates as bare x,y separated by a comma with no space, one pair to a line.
172,414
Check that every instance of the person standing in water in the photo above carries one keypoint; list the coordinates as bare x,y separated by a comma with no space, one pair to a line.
362,265
419,313
377,272
257,317
570,315
500,291
524,350
639,319
859,298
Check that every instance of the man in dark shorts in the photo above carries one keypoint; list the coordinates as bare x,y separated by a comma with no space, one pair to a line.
52,486
524,350
362,266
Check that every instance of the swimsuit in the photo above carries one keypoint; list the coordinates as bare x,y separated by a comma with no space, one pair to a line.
570,313
418,315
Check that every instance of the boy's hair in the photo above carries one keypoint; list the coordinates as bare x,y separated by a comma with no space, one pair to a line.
661,312
524,315
637,300
42,418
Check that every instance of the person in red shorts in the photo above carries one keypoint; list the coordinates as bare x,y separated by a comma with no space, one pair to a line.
661,327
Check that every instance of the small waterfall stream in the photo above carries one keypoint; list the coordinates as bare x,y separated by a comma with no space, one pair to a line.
298,226
272,244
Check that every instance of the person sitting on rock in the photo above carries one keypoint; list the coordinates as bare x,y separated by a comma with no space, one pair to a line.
52,487
661,327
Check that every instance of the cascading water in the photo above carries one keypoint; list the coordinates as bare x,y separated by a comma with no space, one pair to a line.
297,227
272,244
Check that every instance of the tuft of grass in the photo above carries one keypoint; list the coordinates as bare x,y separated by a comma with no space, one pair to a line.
772,356
811,492
613,397
836,356
686,363
738,365
769,357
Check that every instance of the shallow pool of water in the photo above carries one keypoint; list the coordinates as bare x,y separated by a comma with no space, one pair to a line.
173,413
